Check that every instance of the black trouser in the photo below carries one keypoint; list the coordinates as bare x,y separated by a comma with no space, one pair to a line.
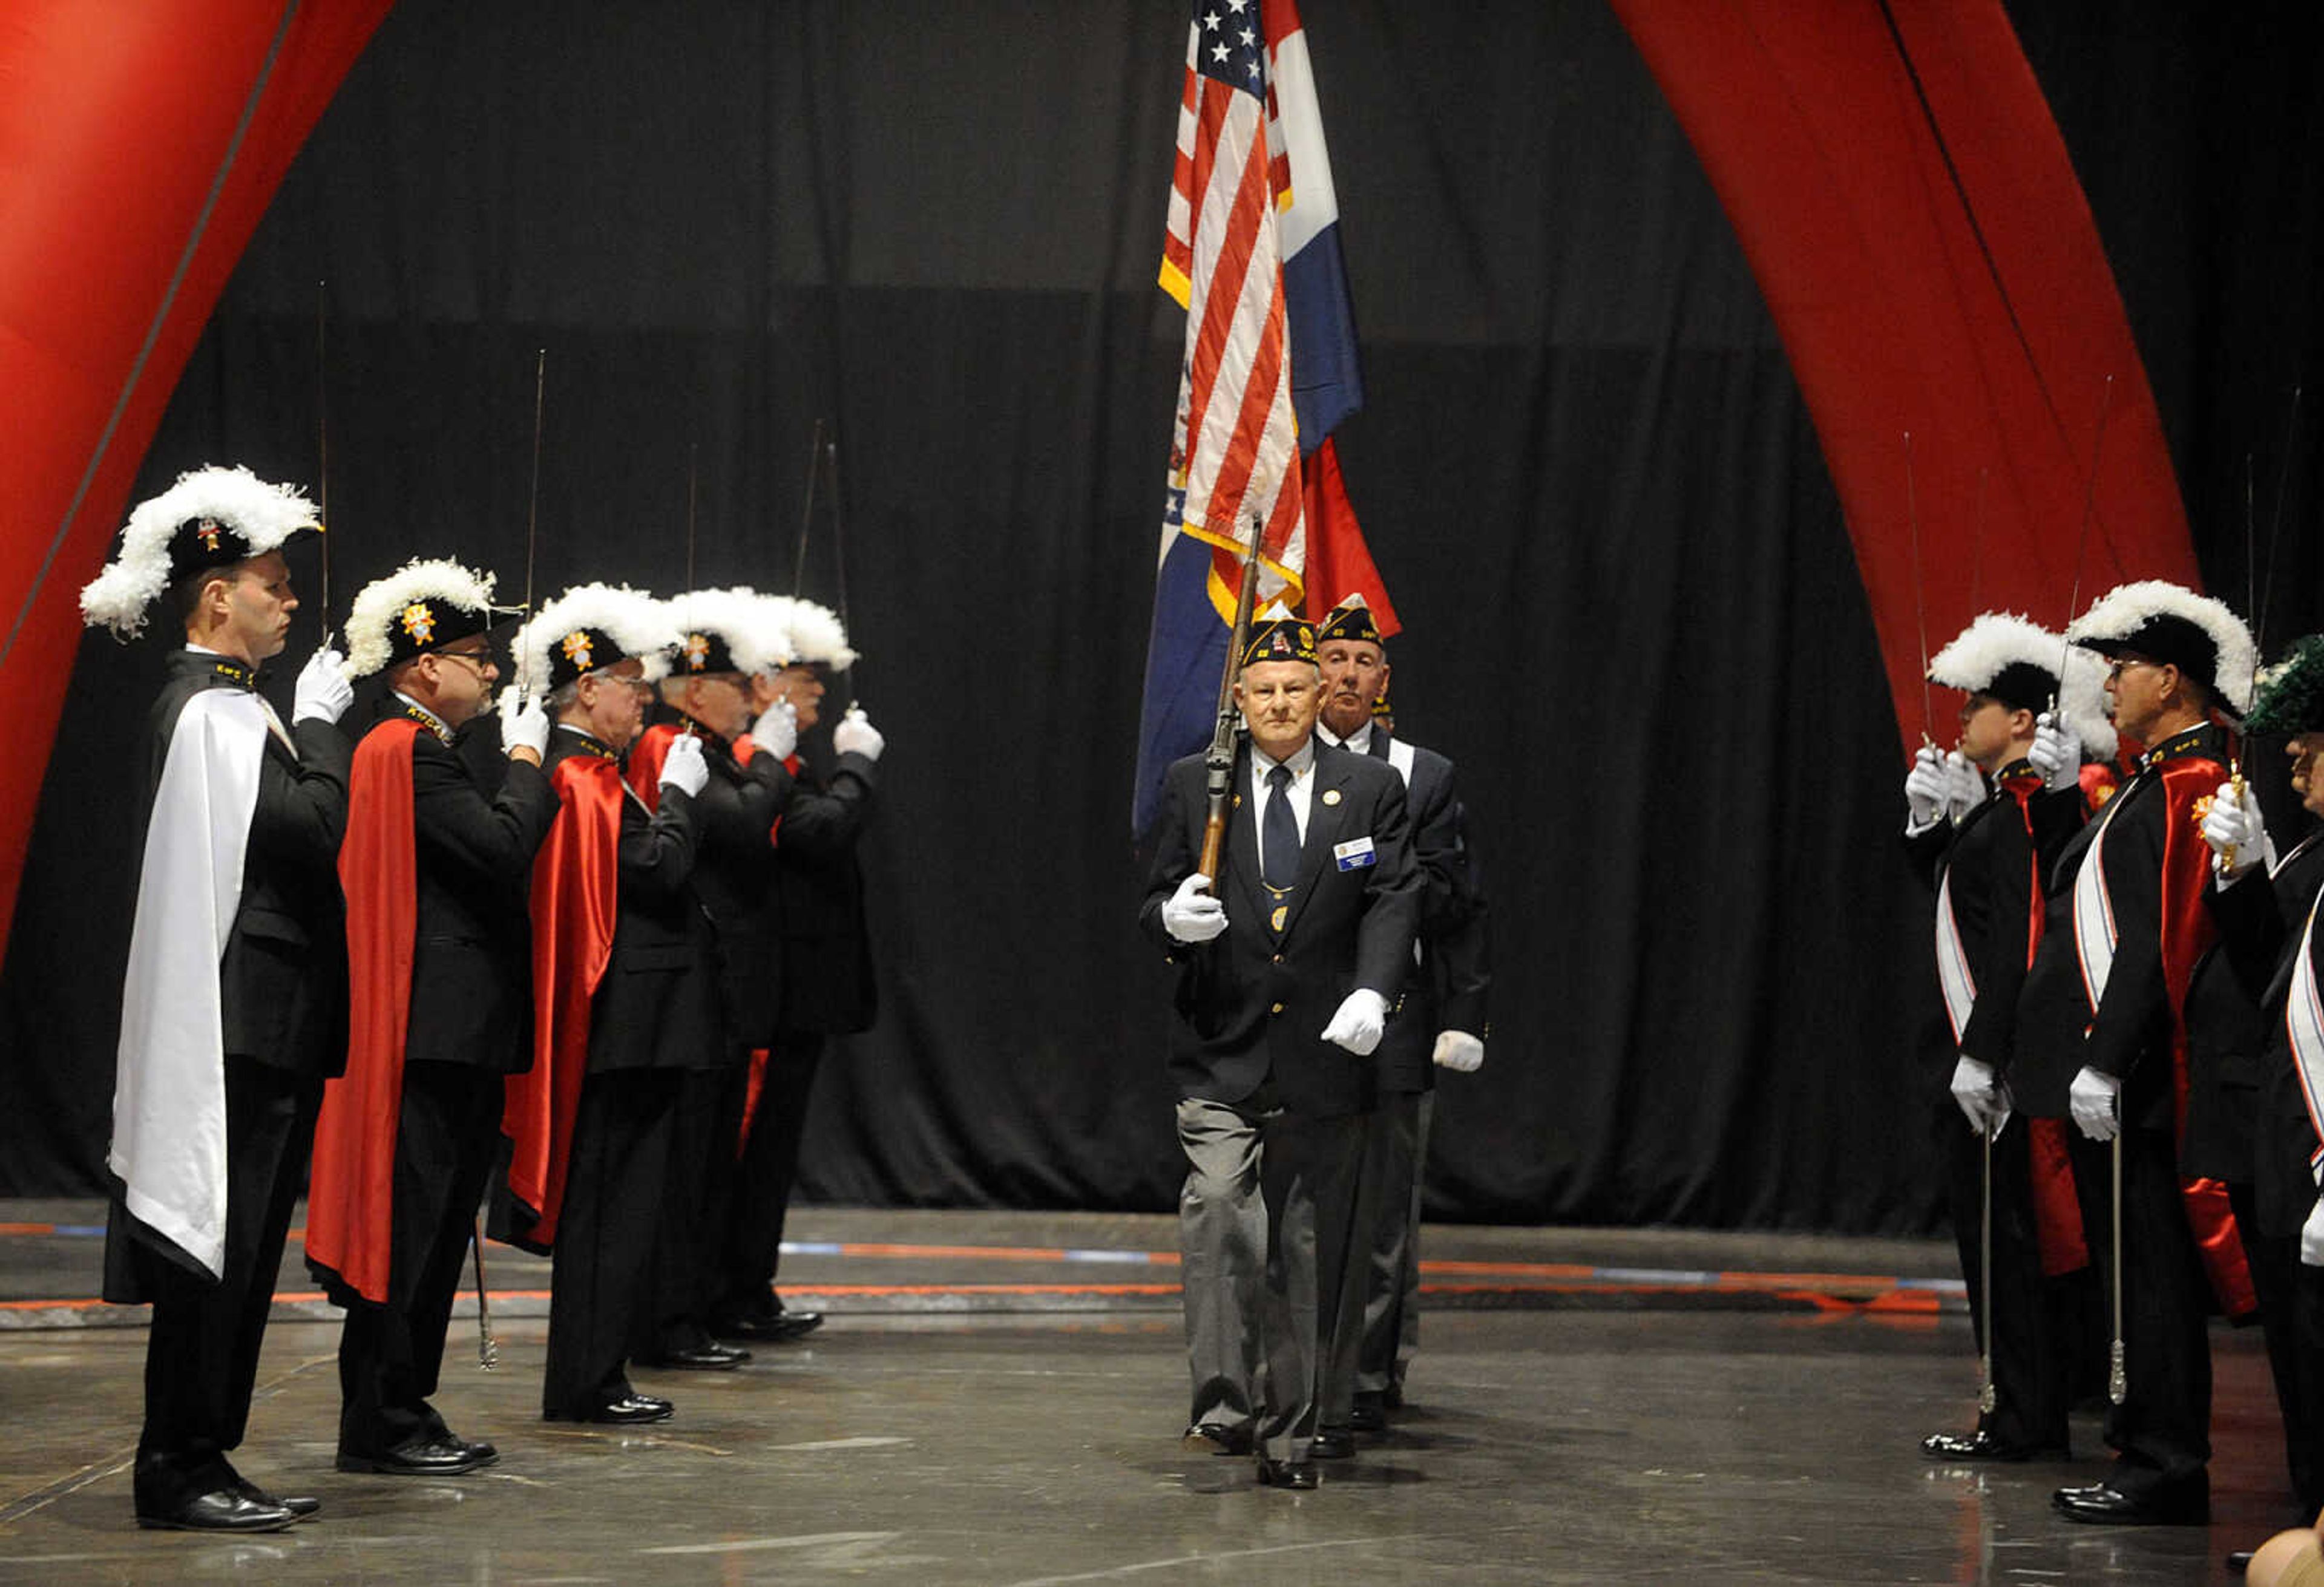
673,1313
2163,1431
2031,1332
201,1355
2291,1318
619,1166
764,1174
447,1136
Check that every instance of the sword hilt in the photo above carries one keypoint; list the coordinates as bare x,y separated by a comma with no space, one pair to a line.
2228,856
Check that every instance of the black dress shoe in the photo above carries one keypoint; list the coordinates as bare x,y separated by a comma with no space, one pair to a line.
227,1510
1216,1438
2239,1562
1369,1414
1982,1444
1332,1444
421,1457
1392,1396
712,1357
629,1409
299,1505
2110,1506
1286,1473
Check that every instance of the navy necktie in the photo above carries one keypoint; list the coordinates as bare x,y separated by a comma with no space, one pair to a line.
1278,859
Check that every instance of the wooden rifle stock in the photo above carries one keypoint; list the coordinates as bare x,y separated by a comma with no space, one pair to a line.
1218,765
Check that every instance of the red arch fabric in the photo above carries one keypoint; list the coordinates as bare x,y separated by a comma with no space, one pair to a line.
1913,219
139,145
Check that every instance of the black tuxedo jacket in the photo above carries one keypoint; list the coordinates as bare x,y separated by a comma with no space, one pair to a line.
1448,986
283,977
735,877
658,1006
828,986
472,959
1253,1002
2131,1034
1990,869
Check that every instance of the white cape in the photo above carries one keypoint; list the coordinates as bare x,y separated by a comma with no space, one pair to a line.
169,1096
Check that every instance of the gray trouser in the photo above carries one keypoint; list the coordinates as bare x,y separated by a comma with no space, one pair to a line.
1394,1149
1264,1238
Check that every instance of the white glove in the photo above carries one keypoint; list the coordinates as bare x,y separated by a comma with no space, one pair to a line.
1457,1051
1361,1022
1964,786
683,768
1925,790
2311,1237
523,724
1193,916
2094,1097
1984,1100
2232,827
856,735
322,691
2057,753
776,732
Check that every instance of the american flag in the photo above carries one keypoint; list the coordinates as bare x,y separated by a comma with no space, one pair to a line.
1235,454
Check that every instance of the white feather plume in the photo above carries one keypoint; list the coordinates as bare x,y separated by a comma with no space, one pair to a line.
2125,609
1994,640
634,621
381,601
815,633
263,515
755,632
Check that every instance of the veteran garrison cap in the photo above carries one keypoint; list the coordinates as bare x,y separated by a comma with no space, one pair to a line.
1352,621
1279,634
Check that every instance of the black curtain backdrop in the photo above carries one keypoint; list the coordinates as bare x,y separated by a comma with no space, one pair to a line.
1633,614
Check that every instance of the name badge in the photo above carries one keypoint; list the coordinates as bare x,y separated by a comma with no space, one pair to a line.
1354,854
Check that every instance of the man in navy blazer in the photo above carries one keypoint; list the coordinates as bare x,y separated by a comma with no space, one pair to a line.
1284,973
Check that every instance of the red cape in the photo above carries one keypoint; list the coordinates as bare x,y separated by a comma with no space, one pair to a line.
2188,930
573,902
351,1200
2057,1209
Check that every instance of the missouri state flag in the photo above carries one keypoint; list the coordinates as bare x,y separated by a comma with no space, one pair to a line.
1252,253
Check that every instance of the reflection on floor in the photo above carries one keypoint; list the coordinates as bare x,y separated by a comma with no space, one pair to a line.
1641,1436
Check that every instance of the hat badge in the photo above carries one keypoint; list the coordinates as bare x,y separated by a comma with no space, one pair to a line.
576,649
208,532
420,622
697,653
1280,645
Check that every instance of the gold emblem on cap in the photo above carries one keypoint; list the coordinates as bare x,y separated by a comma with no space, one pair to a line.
576,649
207,533
420,622
697,653
1331,796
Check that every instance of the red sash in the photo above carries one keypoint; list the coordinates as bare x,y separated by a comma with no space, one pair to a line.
573,902
2188,930
351,1199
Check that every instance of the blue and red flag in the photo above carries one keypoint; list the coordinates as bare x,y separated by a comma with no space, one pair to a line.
1252,253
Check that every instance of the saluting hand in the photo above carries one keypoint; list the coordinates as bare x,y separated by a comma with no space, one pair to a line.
2056,752
856,735
322,691
682,768
2232,827
1924,790
776,732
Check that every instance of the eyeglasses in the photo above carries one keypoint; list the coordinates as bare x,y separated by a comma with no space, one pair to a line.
2125,664
479,659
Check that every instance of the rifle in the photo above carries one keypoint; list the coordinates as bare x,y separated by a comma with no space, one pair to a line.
1218,765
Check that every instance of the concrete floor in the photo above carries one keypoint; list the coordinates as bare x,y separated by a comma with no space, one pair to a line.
1575,1444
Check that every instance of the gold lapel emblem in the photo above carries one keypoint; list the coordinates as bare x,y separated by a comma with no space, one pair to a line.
1238,802
1331,796
1275,923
